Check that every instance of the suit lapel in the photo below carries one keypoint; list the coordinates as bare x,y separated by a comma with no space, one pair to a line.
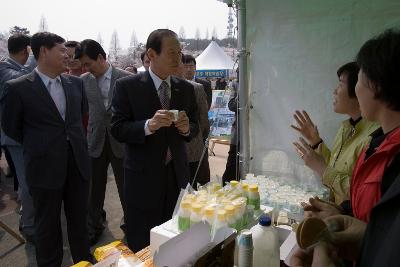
94,91
150,91
175,94
114,77
40,89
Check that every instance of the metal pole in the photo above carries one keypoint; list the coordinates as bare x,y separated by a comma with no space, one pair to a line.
243,103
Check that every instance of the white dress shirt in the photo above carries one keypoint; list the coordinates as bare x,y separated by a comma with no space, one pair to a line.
104,83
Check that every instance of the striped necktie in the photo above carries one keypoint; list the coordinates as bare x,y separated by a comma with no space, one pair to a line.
163,94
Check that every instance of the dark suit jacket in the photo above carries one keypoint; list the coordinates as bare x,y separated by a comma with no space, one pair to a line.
39,127
207,88
136,100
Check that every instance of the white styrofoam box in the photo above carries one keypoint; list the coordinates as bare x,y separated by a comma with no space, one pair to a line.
159,235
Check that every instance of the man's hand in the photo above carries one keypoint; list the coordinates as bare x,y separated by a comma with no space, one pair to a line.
347,234
311,159
320,209
182,124
322,255
306,127
162,118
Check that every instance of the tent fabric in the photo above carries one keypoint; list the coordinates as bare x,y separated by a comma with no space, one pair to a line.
214,58
295,49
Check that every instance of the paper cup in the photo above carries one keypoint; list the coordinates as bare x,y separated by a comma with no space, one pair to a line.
175,112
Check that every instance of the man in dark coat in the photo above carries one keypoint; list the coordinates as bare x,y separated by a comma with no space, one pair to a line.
155,162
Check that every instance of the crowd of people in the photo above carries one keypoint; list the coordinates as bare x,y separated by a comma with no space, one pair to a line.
69,114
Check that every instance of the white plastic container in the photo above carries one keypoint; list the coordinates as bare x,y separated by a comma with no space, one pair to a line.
266,244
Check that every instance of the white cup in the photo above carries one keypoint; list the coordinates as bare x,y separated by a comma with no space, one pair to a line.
175,112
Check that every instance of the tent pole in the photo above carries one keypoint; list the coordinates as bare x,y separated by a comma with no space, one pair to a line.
243,102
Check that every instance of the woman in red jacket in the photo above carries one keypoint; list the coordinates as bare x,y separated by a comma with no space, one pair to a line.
378,93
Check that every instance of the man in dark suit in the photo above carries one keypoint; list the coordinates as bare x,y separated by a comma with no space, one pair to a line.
47,109
190,64
155,162
104,150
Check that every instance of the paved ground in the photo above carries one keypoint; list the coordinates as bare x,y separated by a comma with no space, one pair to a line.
14,255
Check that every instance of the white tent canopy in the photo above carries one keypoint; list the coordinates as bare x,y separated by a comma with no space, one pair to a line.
141,69
214,58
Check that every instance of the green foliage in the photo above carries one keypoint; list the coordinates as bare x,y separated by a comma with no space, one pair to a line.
17,29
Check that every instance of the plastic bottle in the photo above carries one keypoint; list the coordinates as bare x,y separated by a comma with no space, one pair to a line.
246,192
249,216
240,212
266,244
230,216
209,213
221,219
195,216
254,196
233,183
214,187
184,216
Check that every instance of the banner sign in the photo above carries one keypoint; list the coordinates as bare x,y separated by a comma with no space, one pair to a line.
212,73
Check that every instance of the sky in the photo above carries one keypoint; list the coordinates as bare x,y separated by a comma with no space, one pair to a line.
82,19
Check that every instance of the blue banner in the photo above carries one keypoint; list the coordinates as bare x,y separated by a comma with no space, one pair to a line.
212,73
